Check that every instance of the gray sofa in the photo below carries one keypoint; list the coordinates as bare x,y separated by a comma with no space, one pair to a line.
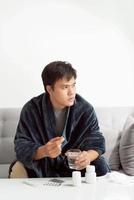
111,121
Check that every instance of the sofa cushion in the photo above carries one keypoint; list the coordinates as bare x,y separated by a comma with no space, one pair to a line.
111,122
8,123
114,158
4,169
110,135
126,147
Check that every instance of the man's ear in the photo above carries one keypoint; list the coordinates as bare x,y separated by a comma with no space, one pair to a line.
48,88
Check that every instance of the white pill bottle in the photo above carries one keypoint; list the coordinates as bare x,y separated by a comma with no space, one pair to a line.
90,175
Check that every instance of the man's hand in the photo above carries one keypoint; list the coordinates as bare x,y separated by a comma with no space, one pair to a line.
51,149
85,158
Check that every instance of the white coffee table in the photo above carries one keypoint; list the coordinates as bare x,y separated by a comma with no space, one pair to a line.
35,189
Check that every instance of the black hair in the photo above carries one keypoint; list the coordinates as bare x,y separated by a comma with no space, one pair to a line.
57,70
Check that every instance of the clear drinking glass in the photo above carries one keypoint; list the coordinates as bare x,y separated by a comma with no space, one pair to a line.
71,157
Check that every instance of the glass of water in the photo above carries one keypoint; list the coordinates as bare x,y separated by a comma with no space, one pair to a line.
72,154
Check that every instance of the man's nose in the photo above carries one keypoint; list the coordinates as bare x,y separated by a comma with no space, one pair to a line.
71,91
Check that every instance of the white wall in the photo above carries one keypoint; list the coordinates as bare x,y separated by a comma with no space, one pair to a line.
97,37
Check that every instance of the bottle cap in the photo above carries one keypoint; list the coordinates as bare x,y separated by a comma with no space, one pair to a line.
90,168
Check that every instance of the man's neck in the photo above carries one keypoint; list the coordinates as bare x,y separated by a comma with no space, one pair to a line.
56,106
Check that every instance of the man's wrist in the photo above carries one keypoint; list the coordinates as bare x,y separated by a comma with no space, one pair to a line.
40,153
93,155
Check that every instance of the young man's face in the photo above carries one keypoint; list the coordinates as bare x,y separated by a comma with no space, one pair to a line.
63,93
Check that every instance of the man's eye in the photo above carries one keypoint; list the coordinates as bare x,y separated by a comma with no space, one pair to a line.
65,87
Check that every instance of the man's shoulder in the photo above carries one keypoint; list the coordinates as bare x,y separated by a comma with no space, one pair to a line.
82,100
34,102
82,103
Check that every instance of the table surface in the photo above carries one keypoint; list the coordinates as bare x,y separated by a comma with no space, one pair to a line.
103,189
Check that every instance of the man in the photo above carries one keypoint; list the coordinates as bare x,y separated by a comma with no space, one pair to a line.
54,122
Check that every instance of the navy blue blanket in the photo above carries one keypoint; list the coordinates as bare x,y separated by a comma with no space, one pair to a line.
37,126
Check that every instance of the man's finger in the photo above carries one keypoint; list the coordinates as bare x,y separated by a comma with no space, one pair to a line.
57,139
82,164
